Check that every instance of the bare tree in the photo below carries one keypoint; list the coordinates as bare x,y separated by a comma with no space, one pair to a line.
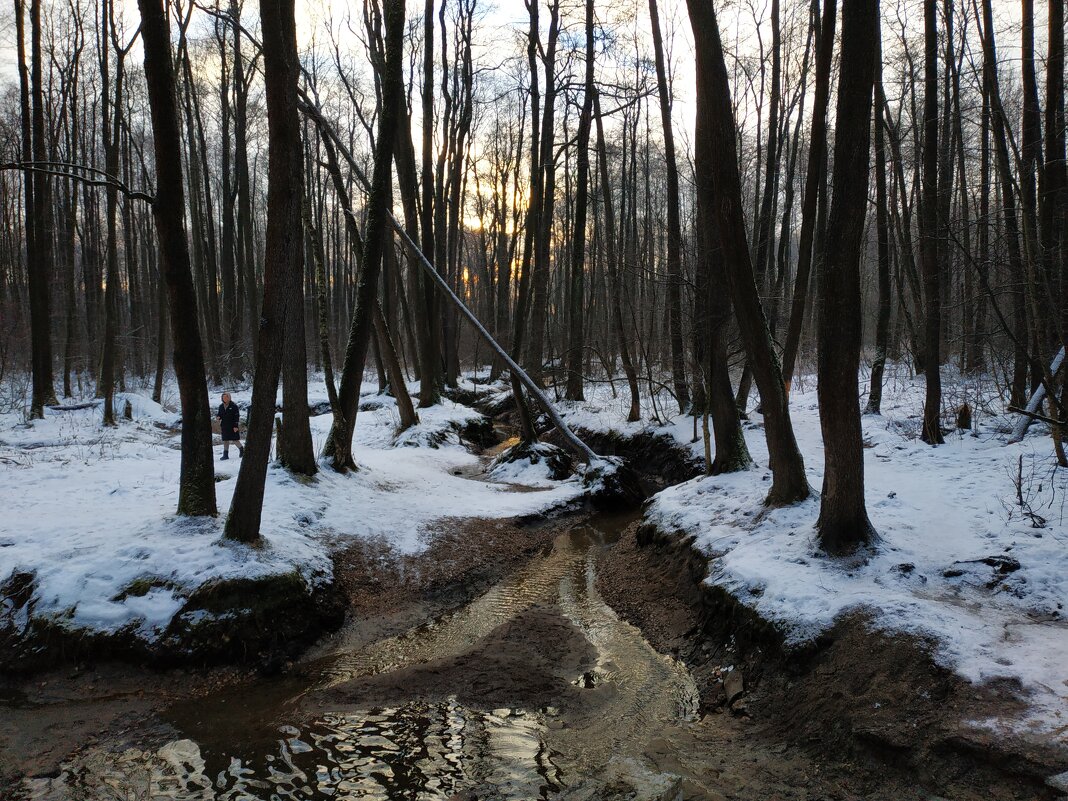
843,523
929,233
282,271
196,490
674,224
577,288
339,443
789,483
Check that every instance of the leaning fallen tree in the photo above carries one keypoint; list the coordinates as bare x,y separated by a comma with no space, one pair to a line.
571,440
1029,414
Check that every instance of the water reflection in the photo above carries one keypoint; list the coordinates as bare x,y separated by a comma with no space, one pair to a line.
416,751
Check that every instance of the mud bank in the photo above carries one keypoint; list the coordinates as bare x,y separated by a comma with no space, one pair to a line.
263,621
657,458
865,705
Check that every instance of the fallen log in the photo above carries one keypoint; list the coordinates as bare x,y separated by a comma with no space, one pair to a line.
1030,414
74,407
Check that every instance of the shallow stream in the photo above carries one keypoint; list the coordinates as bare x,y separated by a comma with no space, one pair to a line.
281,738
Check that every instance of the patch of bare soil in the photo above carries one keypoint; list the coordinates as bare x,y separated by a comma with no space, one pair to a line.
389,593
529,662
861,714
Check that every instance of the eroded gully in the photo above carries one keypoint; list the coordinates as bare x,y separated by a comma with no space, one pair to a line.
425,713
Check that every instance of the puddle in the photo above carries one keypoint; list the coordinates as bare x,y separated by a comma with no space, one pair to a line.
255,741
414,751
508,439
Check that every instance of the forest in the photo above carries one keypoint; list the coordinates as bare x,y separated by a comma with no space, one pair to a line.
711,273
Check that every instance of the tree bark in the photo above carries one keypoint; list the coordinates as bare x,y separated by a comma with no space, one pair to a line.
339,443
319,257
817,158
882,228
1055,172
576,322
430,366
674,223
39,206
789,483
614,280
932,275
284,250
843,524
196,490
295,449
712,315
539,286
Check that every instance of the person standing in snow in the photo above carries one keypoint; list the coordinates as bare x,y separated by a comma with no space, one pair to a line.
230,425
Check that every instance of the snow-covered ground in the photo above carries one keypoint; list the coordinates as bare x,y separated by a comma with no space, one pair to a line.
90,510
940,512
973,552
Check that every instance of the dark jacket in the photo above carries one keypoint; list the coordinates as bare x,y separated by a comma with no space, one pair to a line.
230,420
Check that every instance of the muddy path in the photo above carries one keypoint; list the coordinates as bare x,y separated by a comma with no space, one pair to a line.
489,667
513,692
518,659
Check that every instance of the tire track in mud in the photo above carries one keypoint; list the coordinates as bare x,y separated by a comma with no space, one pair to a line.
457,631
638,693
651,690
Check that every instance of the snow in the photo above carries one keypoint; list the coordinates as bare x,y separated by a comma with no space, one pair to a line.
938,511
533,471
90,510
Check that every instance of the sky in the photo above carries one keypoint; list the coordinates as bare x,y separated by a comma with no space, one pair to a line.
504,21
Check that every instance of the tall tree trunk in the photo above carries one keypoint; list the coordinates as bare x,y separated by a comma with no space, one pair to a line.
69,262
817,159
40,203
932,274
533,212
386,354
232,285
843,523
29,181
674,232
295,449
712,316
1021,357
246,254
339,443
284,254
547,188
1055,172
576,322
882,228
322,305
974,358
1030,162
196,491
430,367
789,483
110,108
201,175
614,280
